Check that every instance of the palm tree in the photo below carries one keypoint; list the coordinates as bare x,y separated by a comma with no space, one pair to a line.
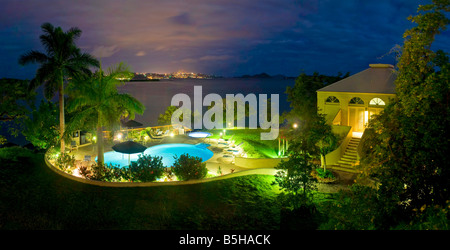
96,100
62,60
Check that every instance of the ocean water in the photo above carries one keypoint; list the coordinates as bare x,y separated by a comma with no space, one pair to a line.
156,96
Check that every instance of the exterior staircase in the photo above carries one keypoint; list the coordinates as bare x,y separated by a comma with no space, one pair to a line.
350,157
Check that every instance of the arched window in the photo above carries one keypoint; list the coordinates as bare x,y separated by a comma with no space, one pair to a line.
356,101
377,102
332,100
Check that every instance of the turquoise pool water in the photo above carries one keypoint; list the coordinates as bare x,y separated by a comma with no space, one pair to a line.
199,134
167,151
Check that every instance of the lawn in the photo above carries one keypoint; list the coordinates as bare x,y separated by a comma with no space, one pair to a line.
34,197
252,143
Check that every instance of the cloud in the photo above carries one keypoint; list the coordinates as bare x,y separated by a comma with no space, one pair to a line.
215,58
182,19
141,53
233,37
104,51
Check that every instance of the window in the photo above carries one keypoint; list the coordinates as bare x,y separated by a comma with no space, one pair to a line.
356,101
377,102
332,100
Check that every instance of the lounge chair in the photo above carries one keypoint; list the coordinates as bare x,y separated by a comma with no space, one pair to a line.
154,137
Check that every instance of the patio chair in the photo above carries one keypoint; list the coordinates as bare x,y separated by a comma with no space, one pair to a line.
73,145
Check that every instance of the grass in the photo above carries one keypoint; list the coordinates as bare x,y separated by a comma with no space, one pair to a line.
252,143
34,197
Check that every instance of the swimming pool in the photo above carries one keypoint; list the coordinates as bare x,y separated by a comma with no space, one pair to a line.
167,151
199,134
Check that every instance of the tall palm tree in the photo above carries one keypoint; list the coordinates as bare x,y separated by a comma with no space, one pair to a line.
96,100
62,60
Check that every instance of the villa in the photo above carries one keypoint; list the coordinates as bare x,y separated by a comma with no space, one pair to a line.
349,105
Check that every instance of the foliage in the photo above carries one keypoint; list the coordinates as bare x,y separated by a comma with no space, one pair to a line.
188,167
166,118
2,140
41,127
63,60
357,209
294,177
429,218
96,101
324,173
321,135
409,140
146,168
103,172
303,97
65,162
14,95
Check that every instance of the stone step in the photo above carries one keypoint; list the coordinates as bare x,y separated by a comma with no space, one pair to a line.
344,169
349,152
345,163
349,157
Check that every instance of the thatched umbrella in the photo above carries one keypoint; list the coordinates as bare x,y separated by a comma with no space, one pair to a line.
129,147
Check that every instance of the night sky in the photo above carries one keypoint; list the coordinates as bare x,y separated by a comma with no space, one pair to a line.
220,37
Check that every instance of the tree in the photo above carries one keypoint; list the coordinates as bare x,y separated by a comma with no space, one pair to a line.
294,177
96,100
63,60
40,127
322,137
303,97
408,143
165,119
304,114
187,167
12,93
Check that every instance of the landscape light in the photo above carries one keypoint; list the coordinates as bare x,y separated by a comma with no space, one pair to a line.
295,125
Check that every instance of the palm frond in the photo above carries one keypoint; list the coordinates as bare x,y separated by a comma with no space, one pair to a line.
48,38
120,70
74,32
33,57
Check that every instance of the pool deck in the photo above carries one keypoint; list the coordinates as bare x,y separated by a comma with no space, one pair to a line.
213,164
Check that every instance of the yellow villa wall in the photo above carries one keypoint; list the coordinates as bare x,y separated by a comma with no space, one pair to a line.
337,115
344,99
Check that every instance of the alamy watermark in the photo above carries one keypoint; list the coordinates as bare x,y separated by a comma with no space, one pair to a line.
257,107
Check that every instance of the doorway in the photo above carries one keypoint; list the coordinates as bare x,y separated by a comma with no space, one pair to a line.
356,119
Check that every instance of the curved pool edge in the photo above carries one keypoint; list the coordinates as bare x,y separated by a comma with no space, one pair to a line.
166,150
260,171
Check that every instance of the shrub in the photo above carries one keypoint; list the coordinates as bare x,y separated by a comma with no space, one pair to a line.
146,168
65,162
324,173
188,167
102,172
